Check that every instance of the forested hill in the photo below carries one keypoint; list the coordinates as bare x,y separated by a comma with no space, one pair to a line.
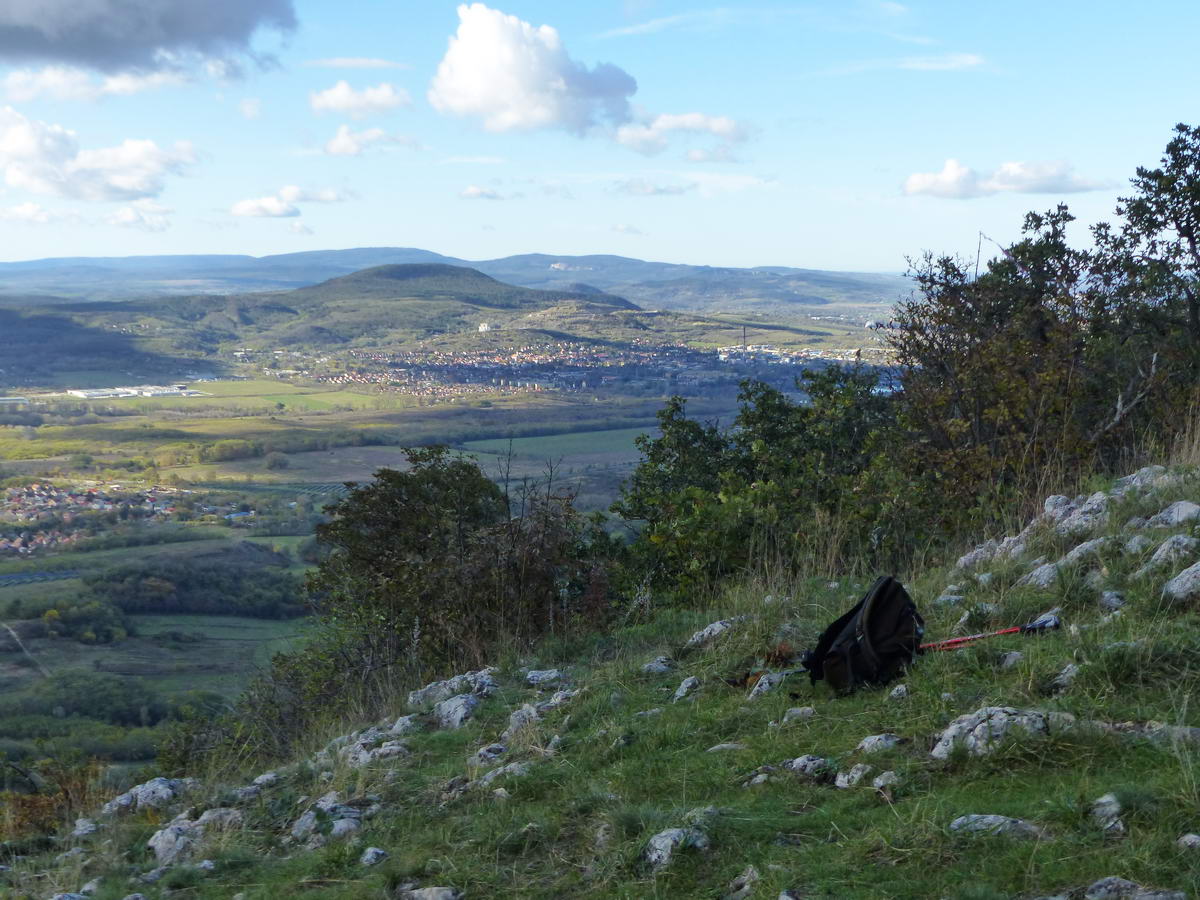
651,284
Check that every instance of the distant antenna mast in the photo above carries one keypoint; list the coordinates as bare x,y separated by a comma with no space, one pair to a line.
978,251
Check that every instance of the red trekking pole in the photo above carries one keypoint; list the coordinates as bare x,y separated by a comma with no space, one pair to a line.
1045,622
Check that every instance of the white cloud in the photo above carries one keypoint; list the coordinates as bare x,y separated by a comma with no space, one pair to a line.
341,98
145,215
30,214
46,159
958,182
299,228
640,187
355,62
250,108
721,154
69,83
282,205
517,77
627,229
352,143
653,136
475,192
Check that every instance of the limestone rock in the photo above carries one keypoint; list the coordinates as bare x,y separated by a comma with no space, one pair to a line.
1142,478
489,754
373,855
539,677
1084,550
1090,515
899,692
266,779
153,794
343,828
1043,577
877,742
980,731
1188,842
404,725
809,765
722,748
1011,658
658,666
518,720
454,712
1064,679
846,780
1183,587
985,552
1174,549
481,682
1112,600
766,684
1106,812
663,845
711,632
84,827
686,686
1005,826
512,770
798,714
1178,513
557,699
1138,544
1114,888
432,893
885,780
742,887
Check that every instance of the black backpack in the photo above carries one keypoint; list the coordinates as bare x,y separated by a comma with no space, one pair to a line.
872,644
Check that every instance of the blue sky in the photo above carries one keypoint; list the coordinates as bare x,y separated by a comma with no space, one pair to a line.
828,135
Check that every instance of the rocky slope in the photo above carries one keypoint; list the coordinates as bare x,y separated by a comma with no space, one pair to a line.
689,757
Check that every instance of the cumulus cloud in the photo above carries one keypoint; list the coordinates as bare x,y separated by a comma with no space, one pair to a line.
46,159
31,214
341,98
652,137
958,182
145,215
518,77
355,62
475,192
282,205
143,35
69,83
250,108
299,228
353,143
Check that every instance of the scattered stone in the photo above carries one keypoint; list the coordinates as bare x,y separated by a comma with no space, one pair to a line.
846,780
1094,580
1106,812
1188,842
809,765
1178,513
663,845
767,683
798,714
1174,549
885,780
71,896
557,699
305,825
84,827
454,712
1043,577
876,742
980,731
247,793
711,632
489,754
1093,513
153,794
134,897
1113,888
646,713
1142,478
1183,587
686,686
1135,523
512,770
432,893
404,725
518,720
899,692
206,865
985,578
343,828
1064,679
996,825
362,753
791,895
659,666
481,682
721,748
985,552
90,888
1112,600
539,677
1084,550
266,779
71,854
180,837
154,875
1011,658
742,887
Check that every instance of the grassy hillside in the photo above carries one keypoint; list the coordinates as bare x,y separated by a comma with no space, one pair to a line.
574,799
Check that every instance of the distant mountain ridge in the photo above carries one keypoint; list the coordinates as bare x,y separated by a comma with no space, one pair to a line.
648,284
